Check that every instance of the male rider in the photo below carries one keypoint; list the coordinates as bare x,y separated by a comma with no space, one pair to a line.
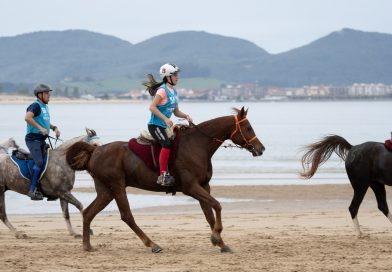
38,126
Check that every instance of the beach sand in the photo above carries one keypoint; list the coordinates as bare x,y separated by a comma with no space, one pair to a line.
269,228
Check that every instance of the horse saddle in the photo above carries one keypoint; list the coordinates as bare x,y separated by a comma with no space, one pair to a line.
145,137
148,150
23,160
21,154
388,145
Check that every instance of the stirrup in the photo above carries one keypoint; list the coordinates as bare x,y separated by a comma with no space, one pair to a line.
166,180
35,195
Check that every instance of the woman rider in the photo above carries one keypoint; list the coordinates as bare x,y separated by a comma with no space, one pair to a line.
164,104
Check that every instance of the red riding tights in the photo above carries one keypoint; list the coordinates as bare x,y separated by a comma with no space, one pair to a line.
164,159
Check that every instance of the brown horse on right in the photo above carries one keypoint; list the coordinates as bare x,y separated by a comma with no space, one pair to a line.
114,167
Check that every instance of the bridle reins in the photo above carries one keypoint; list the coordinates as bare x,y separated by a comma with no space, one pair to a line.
247,144
55,143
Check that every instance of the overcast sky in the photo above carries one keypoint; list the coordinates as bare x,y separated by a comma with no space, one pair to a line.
274,25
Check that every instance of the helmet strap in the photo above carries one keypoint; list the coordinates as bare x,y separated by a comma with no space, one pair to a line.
169,79
41,98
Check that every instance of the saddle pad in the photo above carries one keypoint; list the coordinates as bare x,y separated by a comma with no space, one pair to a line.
25,167
145,152
388,145
150,153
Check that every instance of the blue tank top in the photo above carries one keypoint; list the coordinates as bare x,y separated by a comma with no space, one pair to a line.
43,119
166,109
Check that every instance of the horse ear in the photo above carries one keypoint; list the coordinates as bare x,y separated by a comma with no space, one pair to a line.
242,113
90,132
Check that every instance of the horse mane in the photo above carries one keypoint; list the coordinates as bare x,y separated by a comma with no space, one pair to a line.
7,142
70,142
3,142
185,129
182,128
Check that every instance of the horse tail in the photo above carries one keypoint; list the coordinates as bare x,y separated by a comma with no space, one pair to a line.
78,155
319,152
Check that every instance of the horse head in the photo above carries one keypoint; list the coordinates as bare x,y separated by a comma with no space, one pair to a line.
92,138
244,135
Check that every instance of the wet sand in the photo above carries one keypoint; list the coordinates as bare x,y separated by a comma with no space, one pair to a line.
277,228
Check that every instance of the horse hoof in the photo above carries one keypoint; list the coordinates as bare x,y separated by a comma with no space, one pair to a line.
363,236
88,248
156,249
226,249
20,235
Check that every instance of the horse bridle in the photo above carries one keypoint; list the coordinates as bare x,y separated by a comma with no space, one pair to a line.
247,144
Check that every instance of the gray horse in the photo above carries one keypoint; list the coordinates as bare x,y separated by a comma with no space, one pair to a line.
57,181
7,144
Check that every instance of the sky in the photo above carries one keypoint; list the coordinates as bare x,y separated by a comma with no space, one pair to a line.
274,25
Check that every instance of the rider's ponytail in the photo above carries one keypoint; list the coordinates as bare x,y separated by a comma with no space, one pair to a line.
152,85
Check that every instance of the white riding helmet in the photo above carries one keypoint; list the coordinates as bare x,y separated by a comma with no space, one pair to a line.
168,69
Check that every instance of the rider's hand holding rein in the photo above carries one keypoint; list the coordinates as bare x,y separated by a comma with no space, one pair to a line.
180,114
56,130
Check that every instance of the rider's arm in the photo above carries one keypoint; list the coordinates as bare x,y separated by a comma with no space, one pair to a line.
180,114
29,118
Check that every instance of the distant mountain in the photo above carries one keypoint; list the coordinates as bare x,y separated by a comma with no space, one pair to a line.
340,58
55,55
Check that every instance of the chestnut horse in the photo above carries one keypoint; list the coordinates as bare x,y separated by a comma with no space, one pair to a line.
367,165
114,167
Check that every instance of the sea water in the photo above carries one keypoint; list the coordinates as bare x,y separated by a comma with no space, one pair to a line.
283,127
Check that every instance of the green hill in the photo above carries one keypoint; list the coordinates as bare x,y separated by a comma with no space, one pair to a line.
92,60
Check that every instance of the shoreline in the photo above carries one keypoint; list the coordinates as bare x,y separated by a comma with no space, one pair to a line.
253,198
